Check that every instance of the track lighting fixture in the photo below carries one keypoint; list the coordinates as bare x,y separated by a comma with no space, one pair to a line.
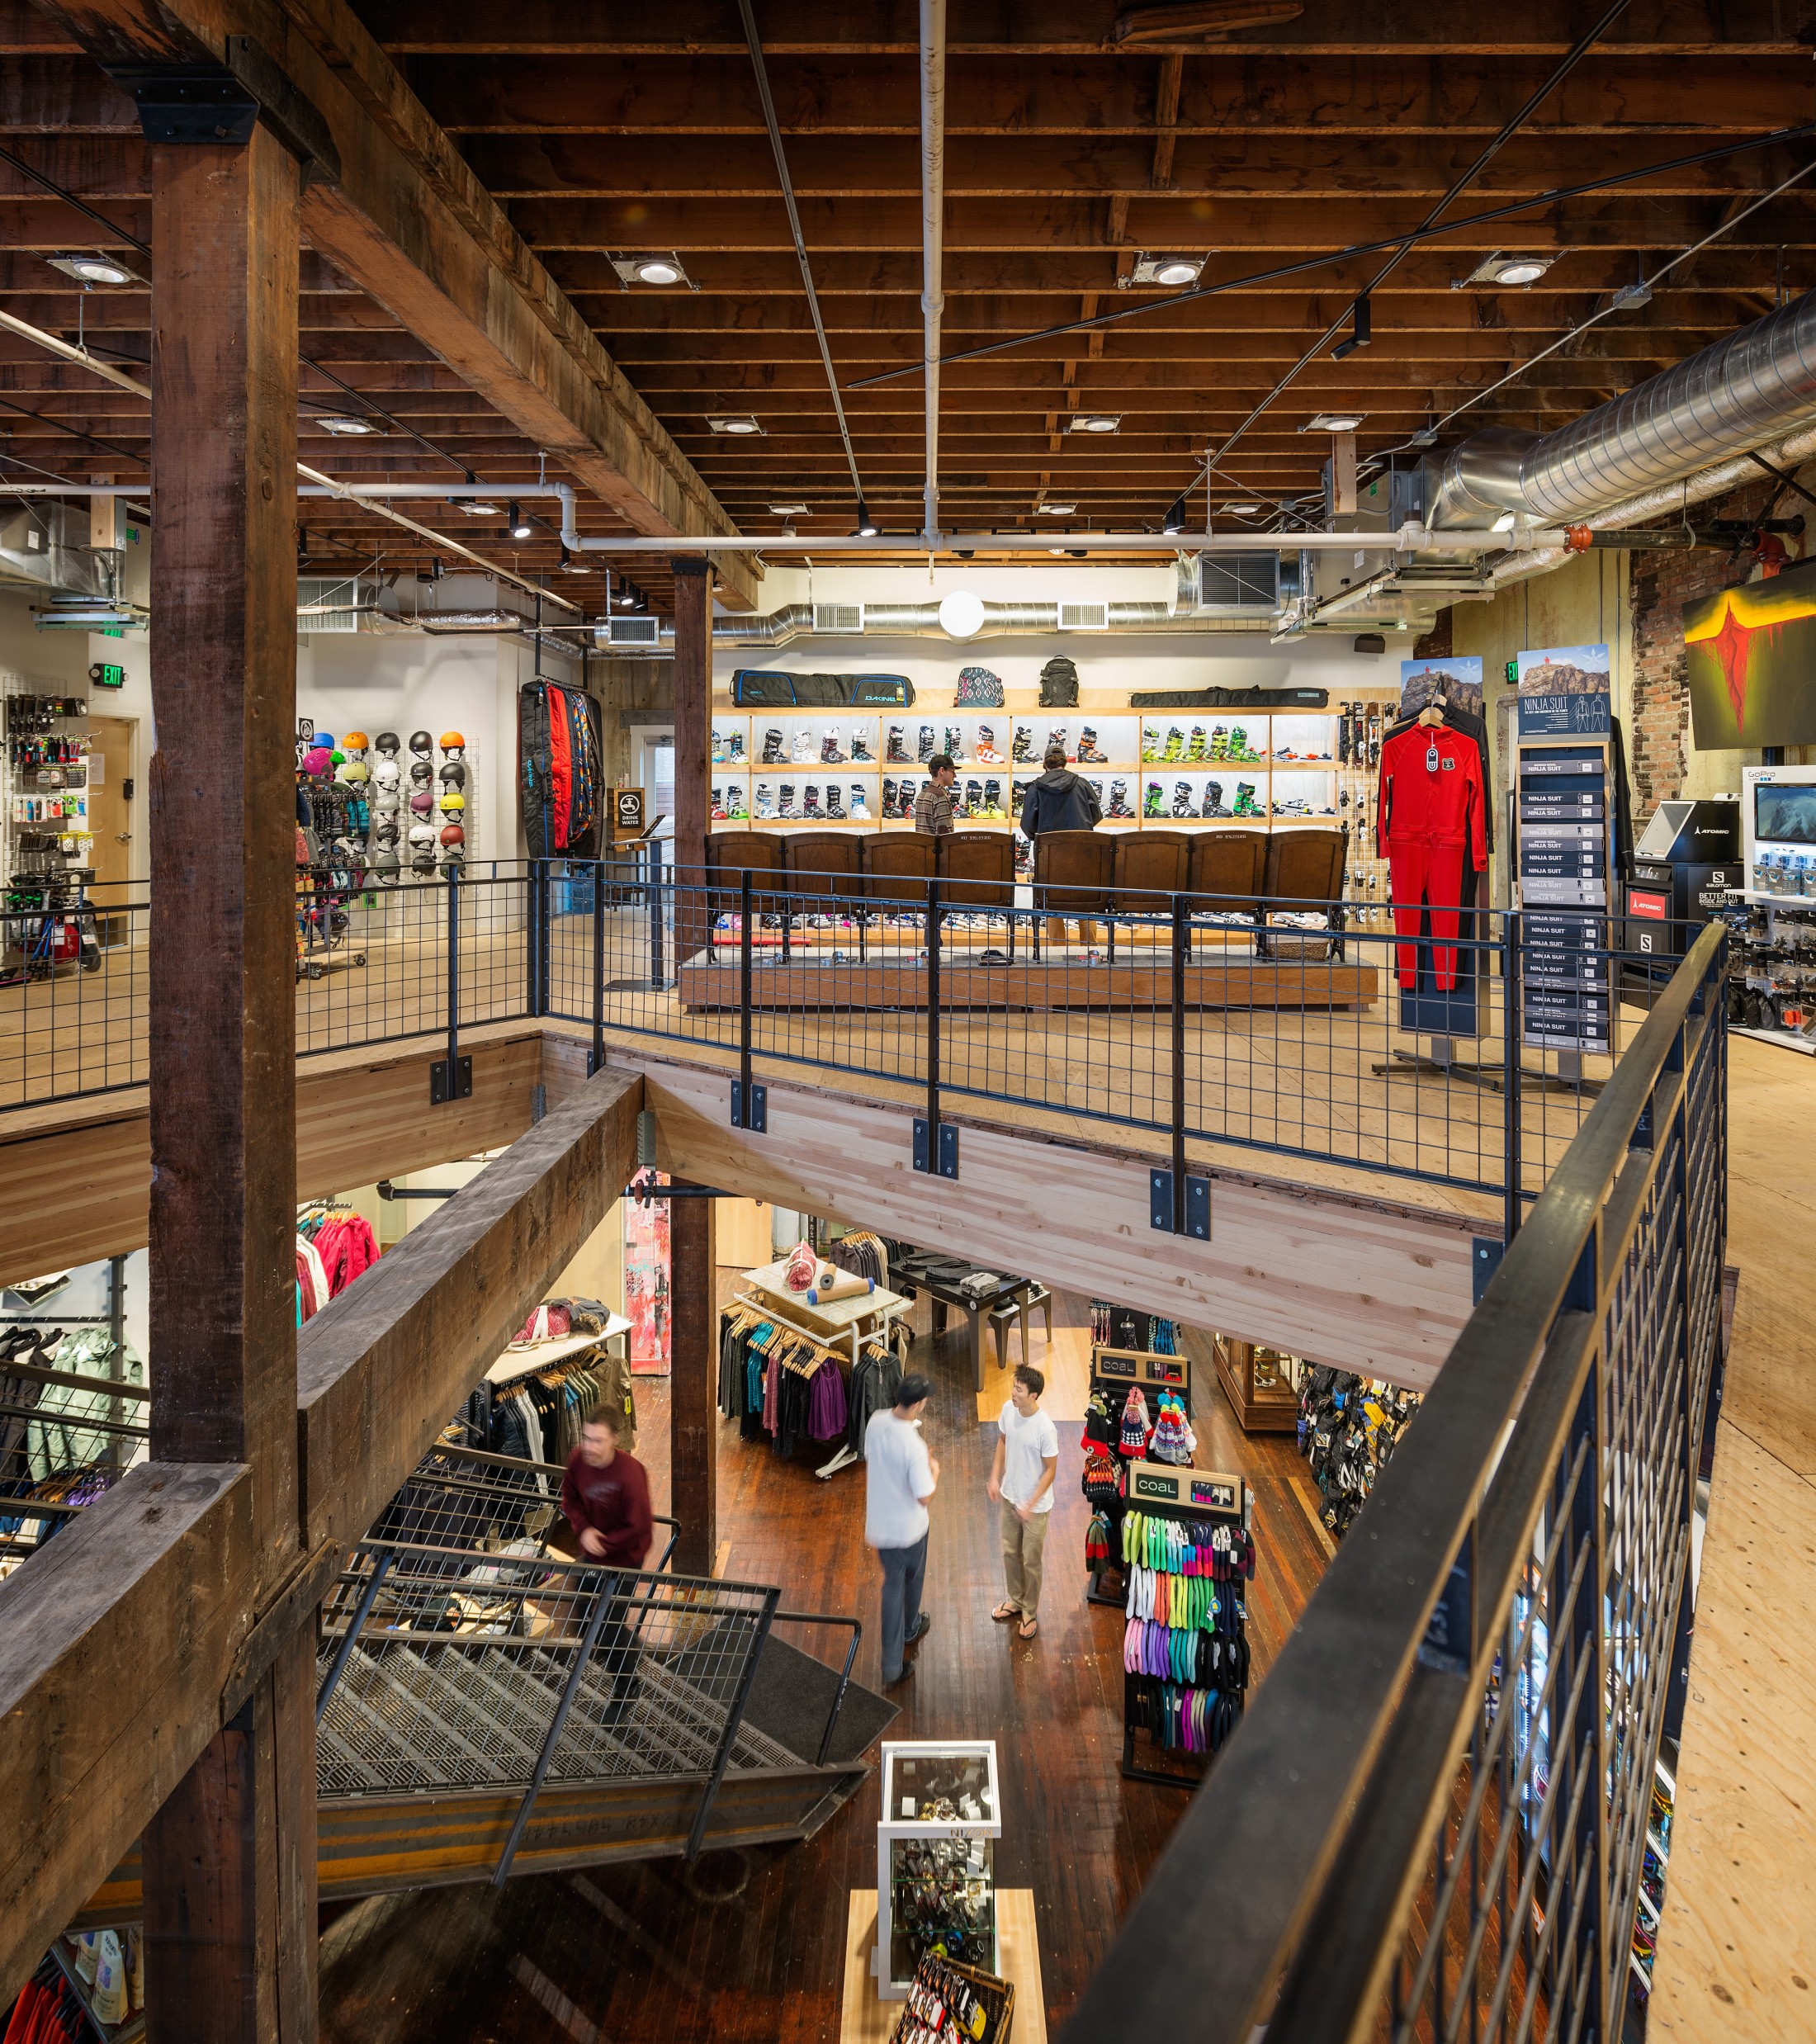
866,525
519,525
1174,520
1361,330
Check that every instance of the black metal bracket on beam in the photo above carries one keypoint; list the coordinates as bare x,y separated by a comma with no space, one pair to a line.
441,1089
210,104
643,1195
1170,1216
1485,1255
936,1148
387,1190
756,1116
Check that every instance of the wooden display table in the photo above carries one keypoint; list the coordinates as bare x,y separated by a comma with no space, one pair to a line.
838,1322
1258,1386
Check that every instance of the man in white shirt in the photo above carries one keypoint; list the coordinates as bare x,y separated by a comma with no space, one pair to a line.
900,1476
1021,1483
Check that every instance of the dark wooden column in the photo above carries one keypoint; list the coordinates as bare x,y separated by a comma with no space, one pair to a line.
694,1386
230,1859
693,711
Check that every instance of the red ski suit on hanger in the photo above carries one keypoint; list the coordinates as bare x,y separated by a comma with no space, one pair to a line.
1430,809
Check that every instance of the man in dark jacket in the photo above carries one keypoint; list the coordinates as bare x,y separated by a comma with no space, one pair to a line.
605,1505
1060,800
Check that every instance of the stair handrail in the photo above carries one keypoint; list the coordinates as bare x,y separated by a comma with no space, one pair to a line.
828,1618
734,1718
602,1602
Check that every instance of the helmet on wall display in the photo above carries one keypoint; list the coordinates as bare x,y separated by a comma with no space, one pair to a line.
453,834
385,774
453,802
388,743
453,774
421,802
422,743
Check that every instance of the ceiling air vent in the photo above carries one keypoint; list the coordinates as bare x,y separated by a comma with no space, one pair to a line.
1238,582
838,617
634,631
1084,617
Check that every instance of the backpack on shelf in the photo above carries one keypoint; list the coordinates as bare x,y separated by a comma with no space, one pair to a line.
1059,684
978,690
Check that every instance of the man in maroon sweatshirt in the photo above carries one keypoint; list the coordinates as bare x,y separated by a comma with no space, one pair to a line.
606,1497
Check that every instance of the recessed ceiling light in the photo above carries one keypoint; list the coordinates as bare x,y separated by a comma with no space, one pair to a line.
93,269
479,507
1512,270
741,423
789,510
1243,510
661,269
347,425
1167,269
1056,510
1096,422
1334,422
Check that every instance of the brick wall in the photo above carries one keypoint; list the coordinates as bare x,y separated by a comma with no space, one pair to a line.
1659,586
1436,644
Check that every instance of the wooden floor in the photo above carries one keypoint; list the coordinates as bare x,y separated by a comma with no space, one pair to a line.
1737,1947
1283,1079
754,1949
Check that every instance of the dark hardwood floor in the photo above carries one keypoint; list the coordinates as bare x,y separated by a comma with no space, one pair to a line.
752,1947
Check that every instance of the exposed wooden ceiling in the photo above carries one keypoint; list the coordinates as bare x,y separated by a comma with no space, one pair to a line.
619,130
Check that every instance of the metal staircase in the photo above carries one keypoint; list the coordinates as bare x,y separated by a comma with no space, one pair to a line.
487,1708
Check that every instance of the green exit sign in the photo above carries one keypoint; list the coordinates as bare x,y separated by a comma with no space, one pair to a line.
104,674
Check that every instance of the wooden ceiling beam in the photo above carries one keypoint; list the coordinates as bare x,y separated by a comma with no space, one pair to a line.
1260,227
832,169
699,29
62,96
1095,96
408,220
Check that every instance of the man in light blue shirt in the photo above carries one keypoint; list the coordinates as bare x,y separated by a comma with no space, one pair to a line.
900,1476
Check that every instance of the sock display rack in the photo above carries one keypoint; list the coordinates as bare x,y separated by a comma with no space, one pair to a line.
46,792
862,769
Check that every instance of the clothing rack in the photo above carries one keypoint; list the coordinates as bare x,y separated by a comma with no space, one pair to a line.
1157,1491
1116,1371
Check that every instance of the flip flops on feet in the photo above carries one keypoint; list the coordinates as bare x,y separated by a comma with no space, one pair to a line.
1028,1628
1004,1612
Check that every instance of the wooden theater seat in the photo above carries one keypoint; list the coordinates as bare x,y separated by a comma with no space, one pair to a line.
822,864
897,866
1074,872
1228,873
976,869
1305,875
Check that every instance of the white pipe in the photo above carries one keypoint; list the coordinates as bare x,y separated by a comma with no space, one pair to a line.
933,221
70,352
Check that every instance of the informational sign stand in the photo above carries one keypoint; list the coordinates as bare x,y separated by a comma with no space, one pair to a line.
1567,894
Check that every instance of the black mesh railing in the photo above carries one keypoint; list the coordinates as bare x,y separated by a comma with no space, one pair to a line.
1278,1026
1432,1823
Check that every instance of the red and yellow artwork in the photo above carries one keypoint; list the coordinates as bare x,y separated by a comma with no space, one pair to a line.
1751,655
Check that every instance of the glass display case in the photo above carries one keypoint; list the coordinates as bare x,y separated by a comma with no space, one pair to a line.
936,1873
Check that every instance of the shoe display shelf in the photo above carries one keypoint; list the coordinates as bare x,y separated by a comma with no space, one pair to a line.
1288,762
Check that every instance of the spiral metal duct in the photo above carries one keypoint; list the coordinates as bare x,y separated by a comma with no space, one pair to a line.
921,620
1736,394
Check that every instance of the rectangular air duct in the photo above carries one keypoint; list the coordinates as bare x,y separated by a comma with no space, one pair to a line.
645,631
844,618
1230,583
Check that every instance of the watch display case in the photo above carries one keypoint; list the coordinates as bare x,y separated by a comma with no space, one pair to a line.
936,1877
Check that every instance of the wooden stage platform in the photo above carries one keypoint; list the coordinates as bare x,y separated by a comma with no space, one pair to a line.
969,979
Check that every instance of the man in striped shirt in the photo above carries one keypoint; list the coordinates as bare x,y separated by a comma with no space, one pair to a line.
933,804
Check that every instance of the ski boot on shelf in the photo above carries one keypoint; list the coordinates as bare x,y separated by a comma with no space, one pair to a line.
1154,801
1218,749
993,801
1240,750
737,810
988,753
926,745
1195,744
718,748
895,752
1018,794
1213,800
785,803
1151,744
1182,798
810,803
861,754
1118,799
1090,752
954,746
1175,746
974,797
1055,737
735,753
860,808
718,806
888,799
766,803
1245,804
835,808
829,752
1021,749
804,754
773,753
905,802
1097,789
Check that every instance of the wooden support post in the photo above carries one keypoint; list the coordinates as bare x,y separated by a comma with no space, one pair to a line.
230,1858
692,743
693,1416
1343,474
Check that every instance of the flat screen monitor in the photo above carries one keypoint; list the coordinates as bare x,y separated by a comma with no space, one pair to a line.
1784,813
